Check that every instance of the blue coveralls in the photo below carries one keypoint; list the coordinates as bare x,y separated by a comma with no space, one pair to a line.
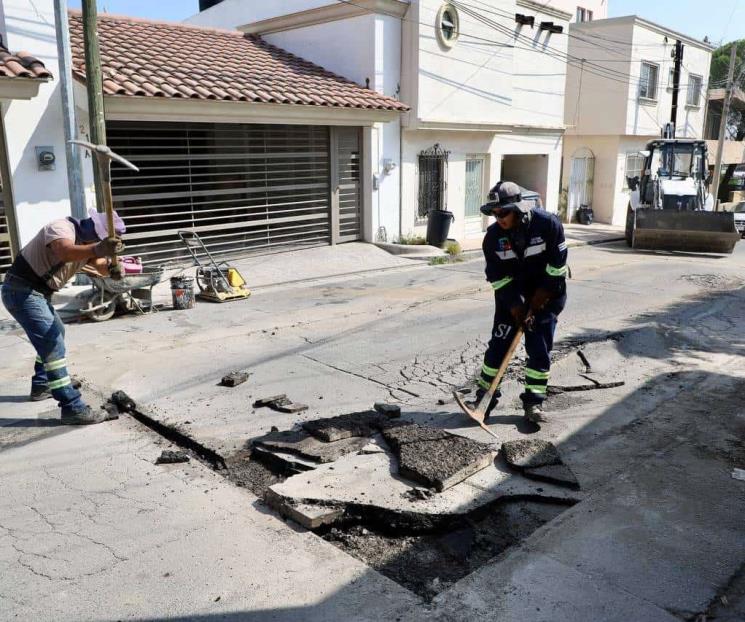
517,263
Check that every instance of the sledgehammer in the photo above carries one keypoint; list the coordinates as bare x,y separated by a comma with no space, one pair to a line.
104,156
479,414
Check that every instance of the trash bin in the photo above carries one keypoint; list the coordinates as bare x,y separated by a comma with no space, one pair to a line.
182,292
438,226
585,215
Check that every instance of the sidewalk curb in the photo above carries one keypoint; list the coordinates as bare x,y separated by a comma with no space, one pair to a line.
576,243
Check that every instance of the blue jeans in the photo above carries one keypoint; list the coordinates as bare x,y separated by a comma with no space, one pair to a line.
45,330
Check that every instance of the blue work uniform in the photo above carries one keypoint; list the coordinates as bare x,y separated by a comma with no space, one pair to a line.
518,262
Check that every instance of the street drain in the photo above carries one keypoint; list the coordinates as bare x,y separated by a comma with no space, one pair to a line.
430,562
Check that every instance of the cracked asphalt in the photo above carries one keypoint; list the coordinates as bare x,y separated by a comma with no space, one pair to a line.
91,529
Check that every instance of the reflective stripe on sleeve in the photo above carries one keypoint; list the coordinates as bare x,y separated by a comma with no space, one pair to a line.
563,246
536,249
560,271
501,283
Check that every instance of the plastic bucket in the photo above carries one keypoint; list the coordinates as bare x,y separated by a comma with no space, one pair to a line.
182,292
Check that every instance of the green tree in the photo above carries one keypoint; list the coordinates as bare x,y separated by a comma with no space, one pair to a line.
736,118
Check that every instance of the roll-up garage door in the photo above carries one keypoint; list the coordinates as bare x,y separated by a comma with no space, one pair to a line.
242,188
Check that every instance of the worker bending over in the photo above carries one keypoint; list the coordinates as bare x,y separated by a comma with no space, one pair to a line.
43,267
526,259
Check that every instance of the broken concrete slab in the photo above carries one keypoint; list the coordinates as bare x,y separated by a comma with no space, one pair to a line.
302,444
280,403
282,461
393,411
168,456
434,457
531,452
364,423
307,515
370,483
559,474
234,378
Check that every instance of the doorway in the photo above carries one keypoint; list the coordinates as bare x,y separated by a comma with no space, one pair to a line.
474,220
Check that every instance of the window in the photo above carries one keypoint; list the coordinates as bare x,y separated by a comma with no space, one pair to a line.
648,79
694,90
447,25
433,167
671,78
584,15
634,166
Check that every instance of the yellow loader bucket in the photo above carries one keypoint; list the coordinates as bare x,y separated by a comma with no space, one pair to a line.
692,231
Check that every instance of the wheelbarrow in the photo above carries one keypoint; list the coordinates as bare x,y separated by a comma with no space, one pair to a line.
133,292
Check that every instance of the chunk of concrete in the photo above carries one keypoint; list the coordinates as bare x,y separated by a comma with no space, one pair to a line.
282,461
280,403
434,457
559,474
364,423
525,453
392,411
302,444
308,515
234,378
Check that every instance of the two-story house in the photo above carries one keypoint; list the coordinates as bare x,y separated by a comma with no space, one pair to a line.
484,83
619,94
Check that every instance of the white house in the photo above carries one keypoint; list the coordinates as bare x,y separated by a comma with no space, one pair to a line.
617,99
252,147
484,83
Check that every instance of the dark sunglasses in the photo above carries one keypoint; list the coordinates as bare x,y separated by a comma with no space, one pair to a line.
501,213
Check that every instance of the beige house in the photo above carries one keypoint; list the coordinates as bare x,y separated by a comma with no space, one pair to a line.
617,99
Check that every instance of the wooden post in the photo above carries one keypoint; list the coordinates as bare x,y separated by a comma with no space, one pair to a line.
94,87
723,124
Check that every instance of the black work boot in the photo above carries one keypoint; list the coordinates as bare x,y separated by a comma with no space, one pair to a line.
87,416
43,392
474,403
39,393
534,413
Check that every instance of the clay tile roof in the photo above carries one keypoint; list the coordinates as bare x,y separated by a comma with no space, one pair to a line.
22,65
161,59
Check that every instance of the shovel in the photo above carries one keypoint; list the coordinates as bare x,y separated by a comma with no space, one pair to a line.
104,155
479,414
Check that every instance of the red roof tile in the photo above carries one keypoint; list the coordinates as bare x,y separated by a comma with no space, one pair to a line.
21,65
160,59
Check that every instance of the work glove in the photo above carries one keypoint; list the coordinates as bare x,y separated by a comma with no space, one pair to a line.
116,272
519,313
109,247
540,299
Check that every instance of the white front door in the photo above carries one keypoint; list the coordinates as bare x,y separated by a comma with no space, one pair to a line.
581,176
474,220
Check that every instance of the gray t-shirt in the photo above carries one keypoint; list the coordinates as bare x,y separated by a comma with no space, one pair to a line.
41,258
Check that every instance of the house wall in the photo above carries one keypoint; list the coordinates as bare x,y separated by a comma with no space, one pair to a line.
597,93
599,8
645,119
464,144
489,76
40,196
234,13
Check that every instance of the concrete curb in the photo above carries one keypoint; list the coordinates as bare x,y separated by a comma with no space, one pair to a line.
576,243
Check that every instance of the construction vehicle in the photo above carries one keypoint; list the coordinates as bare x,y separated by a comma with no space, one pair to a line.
217,282
671,208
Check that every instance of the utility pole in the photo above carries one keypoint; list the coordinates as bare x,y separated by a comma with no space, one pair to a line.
94,87
678,56
72,153
723,124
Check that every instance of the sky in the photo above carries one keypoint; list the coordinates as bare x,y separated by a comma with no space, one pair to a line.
722,20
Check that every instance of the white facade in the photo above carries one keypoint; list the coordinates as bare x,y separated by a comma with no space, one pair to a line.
39,196
494,99
614,106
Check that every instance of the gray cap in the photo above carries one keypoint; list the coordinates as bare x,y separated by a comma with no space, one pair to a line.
505,195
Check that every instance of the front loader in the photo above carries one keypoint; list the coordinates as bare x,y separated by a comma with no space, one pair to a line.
671,208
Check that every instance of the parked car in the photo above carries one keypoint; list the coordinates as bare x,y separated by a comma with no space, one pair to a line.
739,211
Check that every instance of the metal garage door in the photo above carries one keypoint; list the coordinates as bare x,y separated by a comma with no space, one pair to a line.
243,188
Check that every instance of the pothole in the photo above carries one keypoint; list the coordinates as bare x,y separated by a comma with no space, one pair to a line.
429,562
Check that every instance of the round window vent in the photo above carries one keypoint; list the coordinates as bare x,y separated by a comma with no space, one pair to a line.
448,25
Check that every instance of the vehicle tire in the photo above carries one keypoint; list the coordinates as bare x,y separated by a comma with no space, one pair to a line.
629,232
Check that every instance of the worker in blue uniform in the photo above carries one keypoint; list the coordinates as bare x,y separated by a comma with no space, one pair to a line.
526,264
